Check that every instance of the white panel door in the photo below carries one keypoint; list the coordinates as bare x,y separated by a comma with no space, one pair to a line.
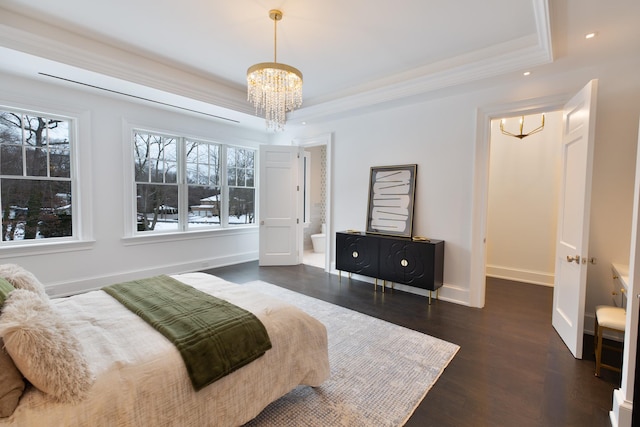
572,241
279,205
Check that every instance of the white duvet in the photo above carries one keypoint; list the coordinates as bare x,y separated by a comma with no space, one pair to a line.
140,378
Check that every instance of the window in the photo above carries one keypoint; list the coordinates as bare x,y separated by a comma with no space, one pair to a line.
240,177
185,184
36,177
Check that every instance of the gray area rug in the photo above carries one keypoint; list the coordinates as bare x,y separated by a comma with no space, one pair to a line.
380,372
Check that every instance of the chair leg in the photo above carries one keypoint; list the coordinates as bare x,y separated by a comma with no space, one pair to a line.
598,350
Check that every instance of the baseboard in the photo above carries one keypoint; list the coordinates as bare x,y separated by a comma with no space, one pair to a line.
520,275
447,292
622,411
96,282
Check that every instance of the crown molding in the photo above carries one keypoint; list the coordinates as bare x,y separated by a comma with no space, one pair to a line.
43,40
409,88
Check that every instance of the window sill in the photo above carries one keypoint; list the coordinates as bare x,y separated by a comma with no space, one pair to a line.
141,239
30,249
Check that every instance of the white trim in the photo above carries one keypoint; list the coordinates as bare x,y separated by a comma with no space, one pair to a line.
512,56
93,283
160,237
623,397
45,248
450,293
484,116
325,139
622,412
130,233
81,180
520,275
37,38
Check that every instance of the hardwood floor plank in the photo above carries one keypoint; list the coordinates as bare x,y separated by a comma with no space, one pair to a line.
512,368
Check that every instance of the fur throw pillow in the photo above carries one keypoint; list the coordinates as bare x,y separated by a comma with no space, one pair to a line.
22,279
11,384
43,347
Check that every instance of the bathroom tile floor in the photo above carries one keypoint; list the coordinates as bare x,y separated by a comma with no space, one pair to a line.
312,258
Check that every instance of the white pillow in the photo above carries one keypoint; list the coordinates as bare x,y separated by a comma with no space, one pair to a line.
43,347
22,279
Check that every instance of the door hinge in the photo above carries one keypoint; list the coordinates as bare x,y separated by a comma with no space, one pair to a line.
297,220
297,188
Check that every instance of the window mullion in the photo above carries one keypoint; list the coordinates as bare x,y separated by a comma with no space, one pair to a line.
47,148
224,188
24,145
183,191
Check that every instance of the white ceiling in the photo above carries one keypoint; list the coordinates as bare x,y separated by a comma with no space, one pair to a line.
353,54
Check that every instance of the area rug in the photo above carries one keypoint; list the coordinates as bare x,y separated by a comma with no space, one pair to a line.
380,372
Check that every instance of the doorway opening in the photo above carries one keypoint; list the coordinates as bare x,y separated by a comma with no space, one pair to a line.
577,143
485,116
316,239
315,211
522,204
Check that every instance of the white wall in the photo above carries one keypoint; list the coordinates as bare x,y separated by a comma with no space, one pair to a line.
110,258
524,181
440,135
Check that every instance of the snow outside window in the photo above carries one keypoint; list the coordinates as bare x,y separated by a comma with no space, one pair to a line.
184,184
36,177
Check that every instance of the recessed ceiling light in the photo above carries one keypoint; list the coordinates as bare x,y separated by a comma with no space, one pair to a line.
590,35
526,73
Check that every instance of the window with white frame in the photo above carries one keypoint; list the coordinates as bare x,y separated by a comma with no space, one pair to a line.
37,179
185,184
240,169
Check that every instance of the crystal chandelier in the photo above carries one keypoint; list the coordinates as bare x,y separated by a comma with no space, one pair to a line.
274,88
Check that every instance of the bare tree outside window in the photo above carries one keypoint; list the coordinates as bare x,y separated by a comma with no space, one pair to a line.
203,180
156,181
241,181
181,183
35,177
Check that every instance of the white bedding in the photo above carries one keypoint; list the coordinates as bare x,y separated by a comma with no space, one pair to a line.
140,378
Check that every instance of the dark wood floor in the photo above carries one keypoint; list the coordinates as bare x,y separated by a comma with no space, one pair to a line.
512,368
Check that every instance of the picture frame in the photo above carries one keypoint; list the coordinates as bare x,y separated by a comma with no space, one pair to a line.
391,200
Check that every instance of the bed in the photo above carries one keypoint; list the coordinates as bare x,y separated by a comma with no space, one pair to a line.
138,377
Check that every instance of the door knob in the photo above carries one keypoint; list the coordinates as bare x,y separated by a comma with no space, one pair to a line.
573,258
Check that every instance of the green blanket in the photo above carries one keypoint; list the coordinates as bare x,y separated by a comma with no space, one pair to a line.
213,336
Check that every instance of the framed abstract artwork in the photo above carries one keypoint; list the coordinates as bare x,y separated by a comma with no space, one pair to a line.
391,200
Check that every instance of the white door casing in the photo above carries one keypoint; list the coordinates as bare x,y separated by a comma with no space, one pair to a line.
572,241
279,205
